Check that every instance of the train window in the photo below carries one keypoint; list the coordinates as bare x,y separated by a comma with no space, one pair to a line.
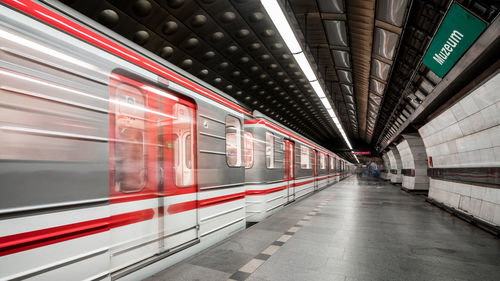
269,150
233,141
322,162
182,128
331,162
130,133
305,161
248,150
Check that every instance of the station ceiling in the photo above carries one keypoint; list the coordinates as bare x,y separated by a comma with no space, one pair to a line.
367,55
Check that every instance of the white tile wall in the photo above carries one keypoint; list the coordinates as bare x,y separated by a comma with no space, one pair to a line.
467,135
477,191
490,115
458,112
469,105
464,204
475,207
495,135
487,211
456,137
492,195
496,216
496,150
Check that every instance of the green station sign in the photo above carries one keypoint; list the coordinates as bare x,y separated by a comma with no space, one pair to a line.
455,35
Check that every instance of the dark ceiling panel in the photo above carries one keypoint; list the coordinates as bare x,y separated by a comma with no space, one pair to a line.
366,55
231,45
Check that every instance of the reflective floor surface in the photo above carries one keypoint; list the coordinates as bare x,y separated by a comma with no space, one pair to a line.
358,229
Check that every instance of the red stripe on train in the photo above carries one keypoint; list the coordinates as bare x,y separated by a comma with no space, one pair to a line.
302,183
65,24
34,239
221,199
265,191
204,203
133,197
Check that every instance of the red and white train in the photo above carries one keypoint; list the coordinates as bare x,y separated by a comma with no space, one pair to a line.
115,164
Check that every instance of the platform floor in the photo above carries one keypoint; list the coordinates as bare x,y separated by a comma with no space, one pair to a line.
358,229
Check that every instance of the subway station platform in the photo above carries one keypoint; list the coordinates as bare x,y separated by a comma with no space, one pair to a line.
358,229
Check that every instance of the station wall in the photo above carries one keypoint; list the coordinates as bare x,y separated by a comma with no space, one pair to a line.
463,142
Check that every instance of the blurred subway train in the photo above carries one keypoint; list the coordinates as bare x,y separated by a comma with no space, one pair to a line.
115,164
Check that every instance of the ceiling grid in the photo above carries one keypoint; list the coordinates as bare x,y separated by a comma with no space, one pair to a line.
358,65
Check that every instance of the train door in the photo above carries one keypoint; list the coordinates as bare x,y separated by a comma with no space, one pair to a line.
290,170
153,183
178,203
315,169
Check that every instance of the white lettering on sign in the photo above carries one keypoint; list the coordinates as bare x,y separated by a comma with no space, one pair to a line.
447,49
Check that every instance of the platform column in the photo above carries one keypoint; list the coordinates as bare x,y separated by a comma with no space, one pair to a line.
386,169
414,163
395,160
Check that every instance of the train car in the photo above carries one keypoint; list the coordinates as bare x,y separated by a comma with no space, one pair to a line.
116,164
107,166
282,167
267,188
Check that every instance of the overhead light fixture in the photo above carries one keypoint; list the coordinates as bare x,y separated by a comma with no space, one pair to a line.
318,89
277,16
355,157
326,103
305,66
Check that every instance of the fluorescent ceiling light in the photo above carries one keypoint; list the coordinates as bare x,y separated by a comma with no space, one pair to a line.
325,102
355,157
275,13
305,66
317,88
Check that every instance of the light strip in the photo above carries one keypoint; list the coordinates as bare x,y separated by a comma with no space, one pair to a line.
305,66
326,103
278,17
276,14
355,157
317,88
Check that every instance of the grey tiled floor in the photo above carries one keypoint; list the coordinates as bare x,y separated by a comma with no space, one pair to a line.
369,230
